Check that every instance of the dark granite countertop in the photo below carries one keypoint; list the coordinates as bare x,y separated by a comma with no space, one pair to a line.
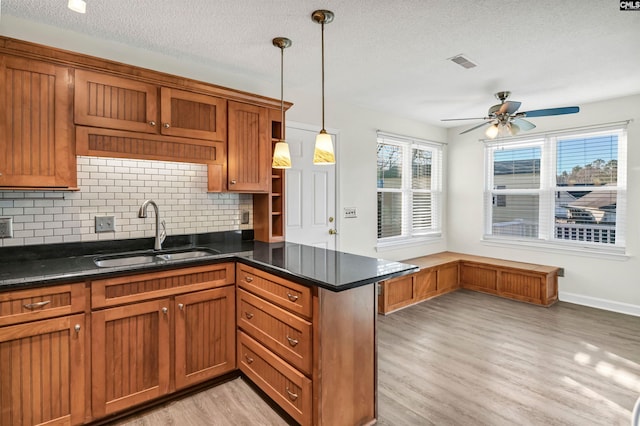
34,266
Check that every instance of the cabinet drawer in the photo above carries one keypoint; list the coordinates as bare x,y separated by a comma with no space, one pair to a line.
39,303
289,388
284,333
289,295
134,288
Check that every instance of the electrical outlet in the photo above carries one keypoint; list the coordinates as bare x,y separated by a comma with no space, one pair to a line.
105,224
350,212
6,227
244,220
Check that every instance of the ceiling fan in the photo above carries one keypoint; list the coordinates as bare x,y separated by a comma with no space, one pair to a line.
505,120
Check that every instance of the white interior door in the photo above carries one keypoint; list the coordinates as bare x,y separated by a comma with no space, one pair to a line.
310,193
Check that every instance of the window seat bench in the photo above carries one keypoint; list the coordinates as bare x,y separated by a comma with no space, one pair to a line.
445,272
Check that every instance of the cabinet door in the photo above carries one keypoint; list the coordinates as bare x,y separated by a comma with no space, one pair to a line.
103,100
425,284
193,115
35,123
205,335
42,372
249,149
447,277
130,355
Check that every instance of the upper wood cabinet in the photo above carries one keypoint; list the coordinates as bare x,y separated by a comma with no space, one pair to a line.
36,149
249,148
114,102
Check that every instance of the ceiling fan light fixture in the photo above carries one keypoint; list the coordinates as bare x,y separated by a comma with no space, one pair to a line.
79,6
323,153
492,131
281,153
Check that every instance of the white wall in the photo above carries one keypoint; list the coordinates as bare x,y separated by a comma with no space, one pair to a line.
609,282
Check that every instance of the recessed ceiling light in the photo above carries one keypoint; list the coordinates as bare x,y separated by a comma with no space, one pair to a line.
463,61
79,6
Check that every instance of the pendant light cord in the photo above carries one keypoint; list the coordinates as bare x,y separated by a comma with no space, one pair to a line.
322,25
282,93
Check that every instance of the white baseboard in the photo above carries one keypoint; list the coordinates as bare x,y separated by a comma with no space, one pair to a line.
595,302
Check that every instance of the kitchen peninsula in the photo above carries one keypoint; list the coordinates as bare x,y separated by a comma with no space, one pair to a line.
298,321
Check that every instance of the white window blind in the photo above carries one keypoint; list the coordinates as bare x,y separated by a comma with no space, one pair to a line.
566,188
409,184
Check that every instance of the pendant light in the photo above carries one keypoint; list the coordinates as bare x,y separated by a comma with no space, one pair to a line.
323,152
281,154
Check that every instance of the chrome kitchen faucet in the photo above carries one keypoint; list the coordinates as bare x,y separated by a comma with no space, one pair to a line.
160,235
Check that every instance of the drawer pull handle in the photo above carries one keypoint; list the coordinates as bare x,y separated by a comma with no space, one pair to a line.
292,297
37,305
292,396
181,306
152,123
77,328
249,315
292,342
165,310
233,182
248,279
166,125
249,359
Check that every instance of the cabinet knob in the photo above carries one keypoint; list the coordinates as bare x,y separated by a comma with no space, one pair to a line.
292,342
248,279
181,306
292,297
292,396
166,125
165,310
233,182
249,315
77,328
248,358
152,123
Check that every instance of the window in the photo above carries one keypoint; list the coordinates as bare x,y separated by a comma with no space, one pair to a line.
409,181
563,188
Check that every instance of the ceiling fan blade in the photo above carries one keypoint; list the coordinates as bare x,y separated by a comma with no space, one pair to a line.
552,111
523,124
509,107
456,119
476,127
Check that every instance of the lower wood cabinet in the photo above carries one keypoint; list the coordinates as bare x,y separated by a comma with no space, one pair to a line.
42,369
149,348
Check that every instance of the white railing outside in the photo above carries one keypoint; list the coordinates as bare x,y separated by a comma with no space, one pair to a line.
586,232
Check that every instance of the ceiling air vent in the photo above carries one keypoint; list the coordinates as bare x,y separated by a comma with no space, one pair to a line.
462,61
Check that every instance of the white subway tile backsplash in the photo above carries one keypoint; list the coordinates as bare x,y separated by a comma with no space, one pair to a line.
117,187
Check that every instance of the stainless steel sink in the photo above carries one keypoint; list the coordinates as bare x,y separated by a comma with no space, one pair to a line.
110,261
137,258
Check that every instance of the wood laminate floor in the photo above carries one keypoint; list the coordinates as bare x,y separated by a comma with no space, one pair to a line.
467,358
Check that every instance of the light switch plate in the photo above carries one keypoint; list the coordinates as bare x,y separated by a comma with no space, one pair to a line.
350,212
105,224
6,227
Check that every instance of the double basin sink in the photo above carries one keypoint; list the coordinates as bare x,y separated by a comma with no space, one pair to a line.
146,257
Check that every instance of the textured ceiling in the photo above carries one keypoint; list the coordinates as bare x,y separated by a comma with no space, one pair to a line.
387,55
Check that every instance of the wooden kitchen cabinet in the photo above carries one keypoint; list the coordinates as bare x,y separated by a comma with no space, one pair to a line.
311,350
204,335
130,355
42,356
36,141
114,102
159,332
249,148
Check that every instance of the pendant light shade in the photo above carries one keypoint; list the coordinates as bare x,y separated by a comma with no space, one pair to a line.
323,153
79,6
281,154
